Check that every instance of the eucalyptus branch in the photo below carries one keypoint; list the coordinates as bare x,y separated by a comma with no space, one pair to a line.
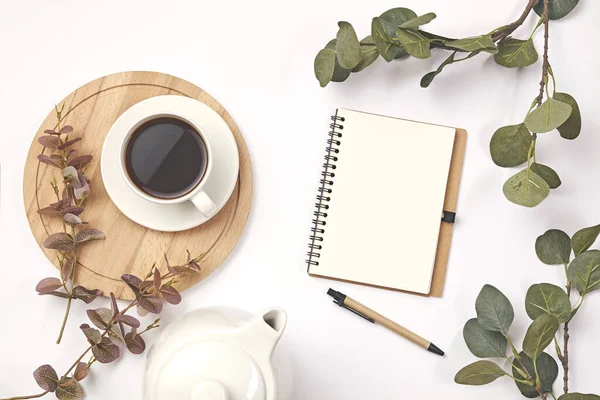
398,33
69,206
150,294
549,306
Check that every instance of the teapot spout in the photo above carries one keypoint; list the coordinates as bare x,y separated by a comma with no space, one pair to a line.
264,330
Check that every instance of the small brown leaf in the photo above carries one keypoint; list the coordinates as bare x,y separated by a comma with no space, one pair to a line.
71,153
51,132
59,204
59,241
68,389
145,286
86,235
157,280
48,285
49,141
94,336
132,281
56,294
106,351
68,143
72,219
129,320
135,343
86,295
170,294
66,270
47,160
114,307
50,212
151,303
81,371
66,129
80,161
100,317
169,267
46,378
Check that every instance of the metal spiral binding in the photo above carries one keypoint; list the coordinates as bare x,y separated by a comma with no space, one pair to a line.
325,190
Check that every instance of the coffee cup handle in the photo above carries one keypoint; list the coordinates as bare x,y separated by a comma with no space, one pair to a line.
204,204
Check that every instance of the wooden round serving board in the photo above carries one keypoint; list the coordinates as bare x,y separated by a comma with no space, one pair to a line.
129,247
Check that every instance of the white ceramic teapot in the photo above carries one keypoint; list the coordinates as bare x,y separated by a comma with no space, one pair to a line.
219,353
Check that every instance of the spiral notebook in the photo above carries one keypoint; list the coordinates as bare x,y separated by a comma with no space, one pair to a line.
386,202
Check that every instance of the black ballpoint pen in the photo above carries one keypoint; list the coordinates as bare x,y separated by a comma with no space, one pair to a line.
372,316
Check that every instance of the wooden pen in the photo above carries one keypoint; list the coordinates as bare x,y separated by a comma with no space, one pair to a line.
374,317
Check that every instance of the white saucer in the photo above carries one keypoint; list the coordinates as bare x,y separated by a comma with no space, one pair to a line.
219,186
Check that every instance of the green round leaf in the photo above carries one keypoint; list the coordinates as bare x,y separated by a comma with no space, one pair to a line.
547,174
418,21
510,145
429,77
324,66
547,369
475,43
339,74
494,311
584,271
545,298
390,21
539,335
414,42
549,116
369,54
526,189
557,8
479,373
483,343
579,396
584,239
553,247
515,53
572,127
383,40
347,47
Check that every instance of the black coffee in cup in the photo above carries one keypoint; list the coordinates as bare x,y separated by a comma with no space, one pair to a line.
166,158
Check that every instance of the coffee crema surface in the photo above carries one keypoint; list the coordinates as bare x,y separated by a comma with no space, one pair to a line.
166,158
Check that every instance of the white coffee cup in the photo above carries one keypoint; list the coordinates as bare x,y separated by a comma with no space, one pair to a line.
197,195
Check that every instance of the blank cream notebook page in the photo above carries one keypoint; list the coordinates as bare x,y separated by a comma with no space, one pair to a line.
380,222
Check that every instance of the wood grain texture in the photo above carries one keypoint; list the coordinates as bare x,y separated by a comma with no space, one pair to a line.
129,247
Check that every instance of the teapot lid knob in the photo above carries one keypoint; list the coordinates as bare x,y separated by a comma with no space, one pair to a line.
210,389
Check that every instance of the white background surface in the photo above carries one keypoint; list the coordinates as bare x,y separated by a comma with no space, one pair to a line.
256,59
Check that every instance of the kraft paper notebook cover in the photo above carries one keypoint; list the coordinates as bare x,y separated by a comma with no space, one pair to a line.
386,202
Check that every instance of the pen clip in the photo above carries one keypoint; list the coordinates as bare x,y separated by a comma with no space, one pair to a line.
340,298
356,312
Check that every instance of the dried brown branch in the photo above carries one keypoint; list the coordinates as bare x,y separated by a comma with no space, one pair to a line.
509,29
545,62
